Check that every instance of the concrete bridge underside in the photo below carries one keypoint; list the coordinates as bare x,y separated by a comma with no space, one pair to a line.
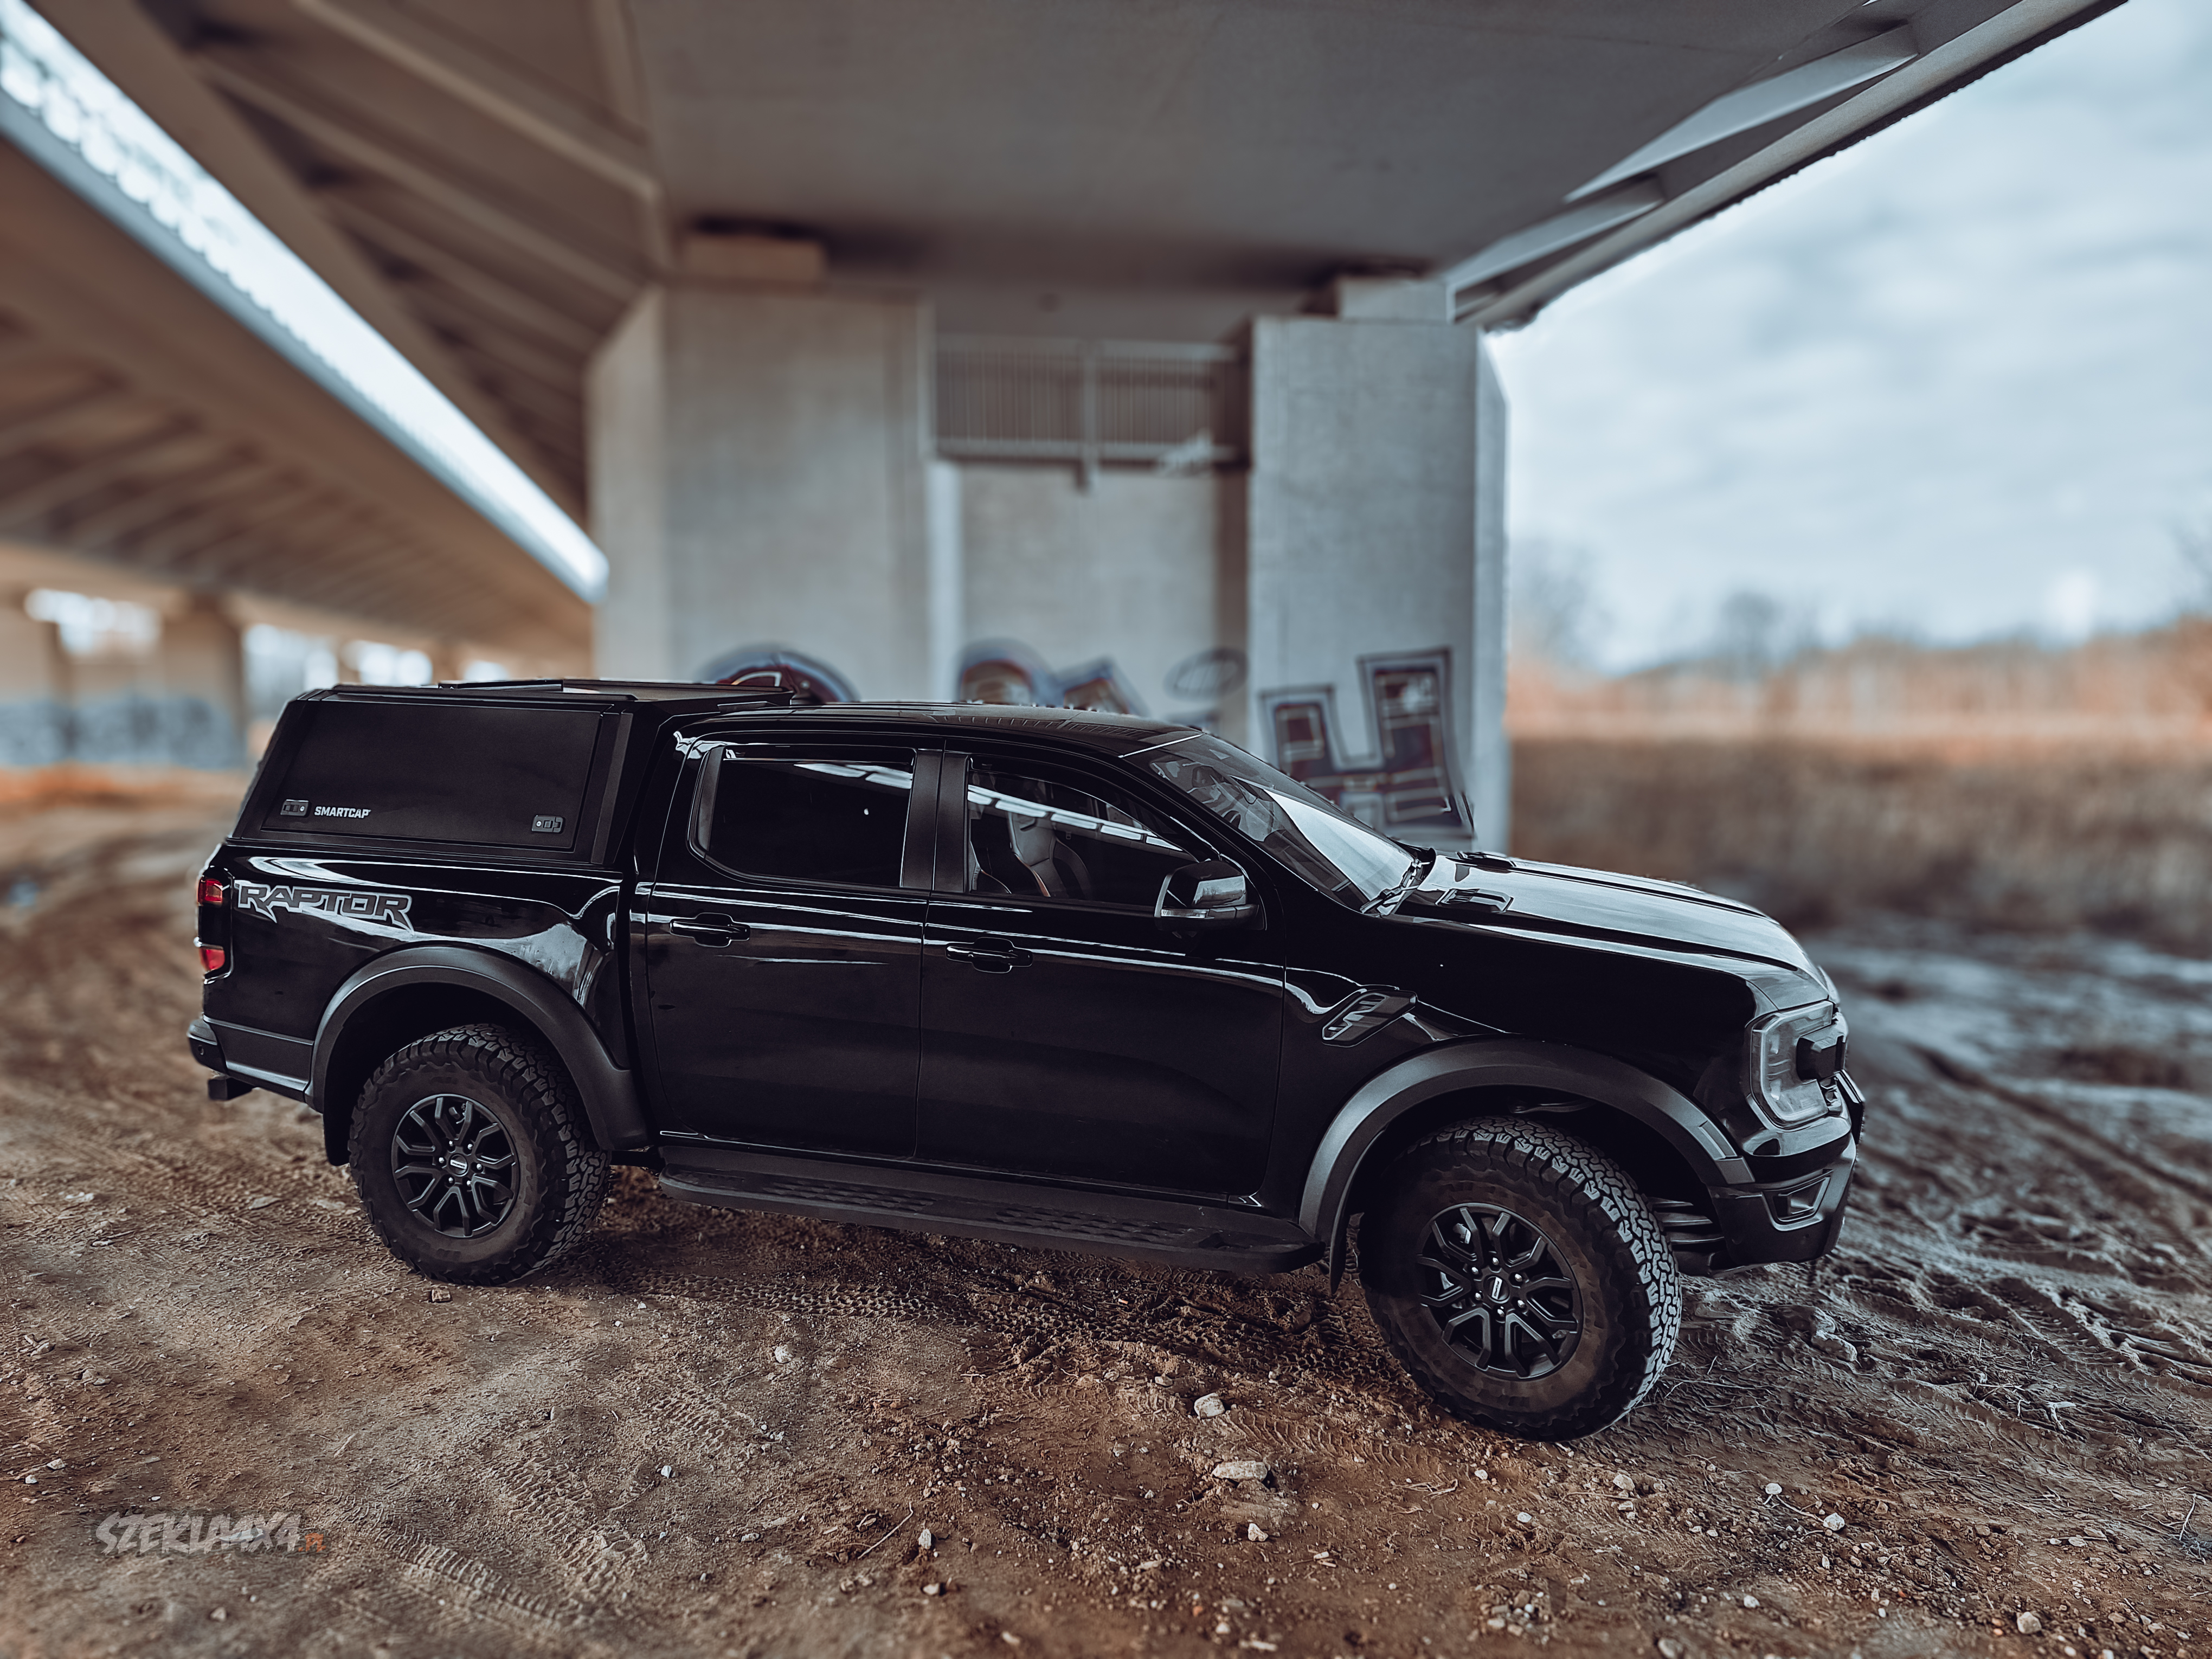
1082,351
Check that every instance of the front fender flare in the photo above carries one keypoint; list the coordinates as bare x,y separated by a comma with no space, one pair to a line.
1486,1063
611,1100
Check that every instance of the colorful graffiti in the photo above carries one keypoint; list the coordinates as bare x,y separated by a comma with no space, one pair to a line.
1008,672
779,665
1414,784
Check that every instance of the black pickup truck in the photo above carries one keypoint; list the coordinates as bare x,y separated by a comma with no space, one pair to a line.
1075,981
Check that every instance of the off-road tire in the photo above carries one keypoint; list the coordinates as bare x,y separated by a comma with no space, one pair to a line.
559,1175
1629,1294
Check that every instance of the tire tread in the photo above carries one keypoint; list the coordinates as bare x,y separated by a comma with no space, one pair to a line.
577,1174
1583,1175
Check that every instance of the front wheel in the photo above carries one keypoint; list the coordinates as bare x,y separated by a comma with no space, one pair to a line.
473,1158
1521,1279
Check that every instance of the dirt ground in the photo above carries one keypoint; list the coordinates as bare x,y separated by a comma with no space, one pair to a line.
715,1433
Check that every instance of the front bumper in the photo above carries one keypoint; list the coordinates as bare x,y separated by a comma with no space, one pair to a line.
1795,1218
1790,1210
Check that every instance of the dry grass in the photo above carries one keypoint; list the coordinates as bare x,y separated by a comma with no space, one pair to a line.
2144,689
31,789
2041,837
2010,784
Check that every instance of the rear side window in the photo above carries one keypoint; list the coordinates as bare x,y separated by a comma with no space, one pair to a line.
487,774
807,820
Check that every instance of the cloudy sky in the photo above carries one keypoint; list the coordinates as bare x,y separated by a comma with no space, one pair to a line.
1958,379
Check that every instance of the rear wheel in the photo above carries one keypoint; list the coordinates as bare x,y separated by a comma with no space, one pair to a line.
473,1159
1521,1279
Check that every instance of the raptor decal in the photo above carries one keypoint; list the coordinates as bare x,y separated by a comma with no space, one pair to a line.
352,904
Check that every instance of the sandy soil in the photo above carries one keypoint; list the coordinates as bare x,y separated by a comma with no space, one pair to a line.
715,1433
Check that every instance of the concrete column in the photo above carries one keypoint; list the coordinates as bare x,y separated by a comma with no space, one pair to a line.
33,688
203,673
761,476
1377,553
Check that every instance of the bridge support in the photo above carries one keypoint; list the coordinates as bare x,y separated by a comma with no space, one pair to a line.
761,474
202,676
764,487
1376,563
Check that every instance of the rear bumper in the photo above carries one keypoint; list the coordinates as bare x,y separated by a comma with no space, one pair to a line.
207,1050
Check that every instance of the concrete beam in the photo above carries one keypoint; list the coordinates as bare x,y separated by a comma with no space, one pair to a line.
318,116
169,550
1947,60
465,276
490,338
23,348
1762,101
291,536
546,117
148,505
127,46
34,500
619,71
56,414
182,515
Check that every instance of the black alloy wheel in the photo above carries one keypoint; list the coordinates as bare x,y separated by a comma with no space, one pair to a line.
1521,1277
1500,1291
473,1157
454,1161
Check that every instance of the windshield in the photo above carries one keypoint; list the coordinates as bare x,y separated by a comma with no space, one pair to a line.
1332,850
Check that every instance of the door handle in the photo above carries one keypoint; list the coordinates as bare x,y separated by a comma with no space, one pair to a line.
713,929
990,956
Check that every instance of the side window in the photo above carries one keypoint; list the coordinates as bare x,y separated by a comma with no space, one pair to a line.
805,820
1029,836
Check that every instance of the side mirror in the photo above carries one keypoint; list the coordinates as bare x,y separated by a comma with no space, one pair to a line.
1212,894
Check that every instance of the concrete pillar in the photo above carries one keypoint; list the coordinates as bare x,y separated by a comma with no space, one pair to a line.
1377,555
762,476
33,688
203,673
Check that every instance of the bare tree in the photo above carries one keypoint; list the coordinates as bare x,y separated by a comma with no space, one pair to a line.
2193,542
1557,617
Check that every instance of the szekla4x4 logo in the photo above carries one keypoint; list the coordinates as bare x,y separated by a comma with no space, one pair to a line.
187,1532
349,903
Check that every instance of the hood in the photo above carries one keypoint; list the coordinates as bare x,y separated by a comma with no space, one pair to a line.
1490,890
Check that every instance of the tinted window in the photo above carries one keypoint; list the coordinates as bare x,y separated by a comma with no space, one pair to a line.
821,820
1328,847
1031,836
495,776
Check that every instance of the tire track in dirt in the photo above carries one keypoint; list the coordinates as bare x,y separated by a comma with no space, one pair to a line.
2006,1340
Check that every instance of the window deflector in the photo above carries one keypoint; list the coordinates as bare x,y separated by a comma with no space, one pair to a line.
702,801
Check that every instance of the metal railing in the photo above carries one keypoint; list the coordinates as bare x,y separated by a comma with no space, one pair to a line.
1172,407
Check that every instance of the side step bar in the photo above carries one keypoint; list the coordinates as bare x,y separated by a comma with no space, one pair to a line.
1199,1235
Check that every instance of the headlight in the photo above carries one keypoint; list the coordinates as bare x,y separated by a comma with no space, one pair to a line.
1791,1061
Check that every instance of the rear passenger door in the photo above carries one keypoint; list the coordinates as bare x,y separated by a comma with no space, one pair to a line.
783,945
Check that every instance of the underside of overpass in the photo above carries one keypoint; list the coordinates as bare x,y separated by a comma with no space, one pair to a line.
1079,351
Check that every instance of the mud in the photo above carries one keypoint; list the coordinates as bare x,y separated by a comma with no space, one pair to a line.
714,1433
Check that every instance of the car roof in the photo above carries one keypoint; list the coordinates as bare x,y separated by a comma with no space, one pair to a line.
1106,733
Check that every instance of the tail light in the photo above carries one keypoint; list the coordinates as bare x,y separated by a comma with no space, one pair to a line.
214,929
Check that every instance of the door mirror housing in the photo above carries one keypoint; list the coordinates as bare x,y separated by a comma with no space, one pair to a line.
1211,894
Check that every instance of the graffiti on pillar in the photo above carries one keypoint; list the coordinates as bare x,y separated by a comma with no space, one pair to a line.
1414,784
1008,672
779,665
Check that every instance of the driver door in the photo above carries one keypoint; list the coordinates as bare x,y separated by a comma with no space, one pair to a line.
1063,1032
